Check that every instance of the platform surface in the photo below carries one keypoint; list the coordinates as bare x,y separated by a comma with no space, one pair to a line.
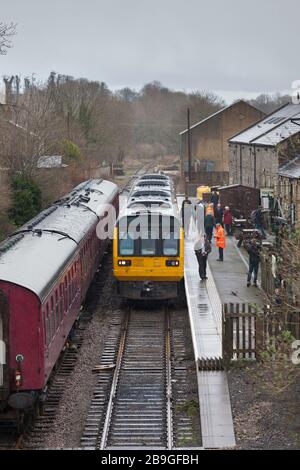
206,331
205,312
230,276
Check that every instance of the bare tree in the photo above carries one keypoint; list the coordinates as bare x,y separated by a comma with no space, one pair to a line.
7,32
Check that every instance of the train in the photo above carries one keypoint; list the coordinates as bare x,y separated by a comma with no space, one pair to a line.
46,268
148,244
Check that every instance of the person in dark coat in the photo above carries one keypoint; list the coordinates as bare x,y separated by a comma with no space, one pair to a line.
254,259
209,223
202,249
214,199
228,220
259,221
219,214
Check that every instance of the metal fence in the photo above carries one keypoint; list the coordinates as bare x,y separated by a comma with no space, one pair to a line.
247,331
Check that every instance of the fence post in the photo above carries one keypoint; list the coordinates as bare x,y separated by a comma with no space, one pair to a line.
227,335
259,331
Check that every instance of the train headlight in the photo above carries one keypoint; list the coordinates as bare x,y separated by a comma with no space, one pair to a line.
172,263
124,263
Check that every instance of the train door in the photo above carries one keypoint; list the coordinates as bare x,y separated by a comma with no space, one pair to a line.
3,341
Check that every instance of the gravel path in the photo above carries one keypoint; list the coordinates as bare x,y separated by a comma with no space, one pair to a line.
265,418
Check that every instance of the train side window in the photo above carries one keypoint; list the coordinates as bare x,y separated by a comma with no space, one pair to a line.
48,335
61,301
52,317
57,316
70,287
72,281
45,324
66,294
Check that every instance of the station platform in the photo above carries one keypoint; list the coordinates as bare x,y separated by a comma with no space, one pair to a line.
230,277
205,312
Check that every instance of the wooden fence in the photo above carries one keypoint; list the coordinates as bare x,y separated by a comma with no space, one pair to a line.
248,331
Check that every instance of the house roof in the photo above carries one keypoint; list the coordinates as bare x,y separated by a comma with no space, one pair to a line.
291,169
55,161
273,129
217,113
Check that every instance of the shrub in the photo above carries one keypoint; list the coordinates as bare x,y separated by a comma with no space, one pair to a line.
27,200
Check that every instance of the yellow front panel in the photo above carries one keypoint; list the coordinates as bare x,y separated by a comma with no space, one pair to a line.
146,268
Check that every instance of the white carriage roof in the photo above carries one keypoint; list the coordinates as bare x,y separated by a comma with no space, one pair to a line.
37,253
273,129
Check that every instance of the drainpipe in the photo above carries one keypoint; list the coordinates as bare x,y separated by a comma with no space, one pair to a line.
255,163
241,165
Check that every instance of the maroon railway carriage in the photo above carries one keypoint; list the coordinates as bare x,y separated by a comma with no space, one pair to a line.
46,268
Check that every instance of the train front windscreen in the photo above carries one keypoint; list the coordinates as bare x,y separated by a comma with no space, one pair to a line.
149,235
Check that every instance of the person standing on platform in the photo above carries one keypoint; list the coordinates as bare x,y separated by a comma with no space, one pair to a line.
209,223
219,214
186,214
228,221
202,249
199,217
210,210
220,241
214,199
254,259
259,221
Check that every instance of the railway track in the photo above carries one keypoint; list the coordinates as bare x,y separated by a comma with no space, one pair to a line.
35,435
140,397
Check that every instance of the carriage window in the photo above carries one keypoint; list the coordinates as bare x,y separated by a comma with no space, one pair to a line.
57,316
61,301
126,246
52,317
66,295
47,325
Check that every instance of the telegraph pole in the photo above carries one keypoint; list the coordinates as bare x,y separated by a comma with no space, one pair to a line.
189,146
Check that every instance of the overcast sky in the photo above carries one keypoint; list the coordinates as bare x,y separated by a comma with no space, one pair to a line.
236,47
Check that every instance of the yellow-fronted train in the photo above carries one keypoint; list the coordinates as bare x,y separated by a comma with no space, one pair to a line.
148,247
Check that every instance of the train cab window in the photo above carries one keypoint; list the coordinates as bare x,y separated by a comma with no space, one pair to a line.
170,236
126,246
170,247
148,247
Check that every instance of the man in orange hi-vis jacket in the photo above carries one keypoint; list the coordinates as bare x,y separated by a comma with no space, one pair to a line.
220,241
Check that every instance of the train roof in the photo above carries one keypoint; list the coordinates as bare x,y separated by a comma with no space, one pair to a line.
156,176
151,188
164,208
35,255
150,192
149,182
150,203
